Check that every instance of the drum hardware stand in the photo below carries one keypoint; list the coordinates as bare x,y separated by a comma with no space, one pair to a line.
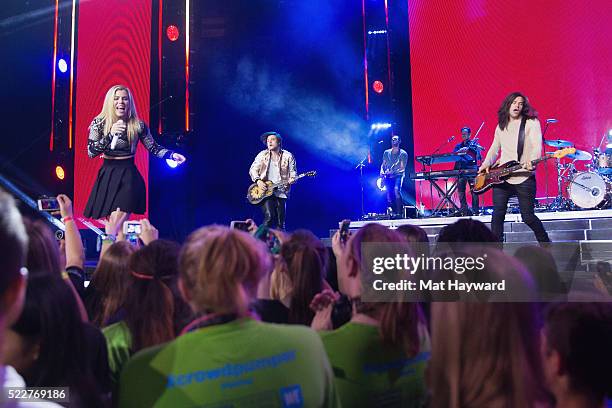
559,202
548,122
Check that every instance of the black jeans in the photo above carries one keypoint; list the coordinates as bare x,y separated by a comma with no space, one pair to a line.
273,209
394,193
525,193
461,187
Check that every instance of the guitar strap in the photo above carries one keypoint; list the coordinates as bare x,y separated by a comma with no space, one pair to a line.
521,139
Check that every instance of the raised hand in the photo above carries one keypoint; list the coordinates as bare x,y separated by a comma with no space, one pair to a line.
148,233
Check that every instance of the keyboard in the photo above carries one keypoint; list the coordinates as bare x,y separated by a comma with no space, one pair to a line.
443,158
442,174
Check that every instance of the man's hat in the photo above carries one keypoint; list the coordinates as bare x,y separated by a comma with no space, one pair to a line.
466,129
264,137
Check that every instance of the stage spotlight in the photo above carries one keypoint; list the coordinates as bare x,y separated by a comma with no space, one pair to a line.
380,183
62,65
172,32
171,163
378,87
380,126
59,172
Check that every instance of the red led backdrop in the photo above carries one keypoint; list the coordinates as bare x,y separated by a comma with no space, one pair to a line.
114,47
467,55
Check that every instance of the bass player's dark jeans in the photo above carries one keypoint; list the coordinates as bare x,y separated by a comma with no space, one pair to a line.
525,192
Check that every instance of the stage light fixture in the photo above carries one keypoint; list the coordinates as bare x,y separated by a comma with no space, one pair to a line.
171,163
62,65
380,126
378,87
172,32
59,172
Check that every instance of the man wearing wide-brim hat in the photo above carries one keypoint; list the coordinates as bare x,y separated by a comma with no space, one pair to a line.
276,165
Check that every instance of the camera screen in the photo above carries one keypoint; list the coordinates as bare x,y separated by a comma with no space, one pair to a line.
48,204
133,228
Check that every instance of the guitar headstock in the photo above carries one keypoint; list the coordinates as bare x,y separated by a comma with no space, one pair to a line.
561,153
311,173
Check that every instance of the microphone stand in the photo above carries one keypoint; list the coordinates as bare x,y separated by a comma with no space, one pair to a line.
360,166
443,144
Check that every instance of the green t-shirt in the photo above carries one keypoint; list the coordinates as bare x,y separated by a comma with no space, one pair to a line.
371,374
119,342
244,363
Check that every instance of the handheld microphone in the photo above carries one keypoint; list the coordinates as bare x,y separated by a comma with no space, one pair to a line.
115,137
114,141
450,139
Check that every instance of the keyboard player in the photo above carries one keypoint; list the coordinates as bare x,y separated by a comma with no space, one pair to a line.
469,162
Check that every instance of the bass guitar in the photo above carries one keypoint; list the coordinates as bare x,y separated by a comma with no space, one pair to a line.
256,195
499,174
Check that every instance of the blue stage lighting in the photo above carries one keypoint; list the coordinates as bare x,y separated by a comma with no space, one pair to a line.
171,163
62,65
380,126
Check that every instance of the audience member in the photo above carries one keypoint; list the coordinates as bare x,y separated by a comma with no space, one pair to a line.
542,267
107,291
379,357
576,353
466,230
50,346
224,356
154,312
486,354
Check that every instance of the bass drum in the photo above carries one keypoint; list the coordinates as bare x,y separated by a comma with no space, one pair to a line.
587,189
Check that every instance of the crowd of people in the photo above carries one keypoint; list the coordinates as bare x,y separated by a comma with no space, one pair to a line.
223,320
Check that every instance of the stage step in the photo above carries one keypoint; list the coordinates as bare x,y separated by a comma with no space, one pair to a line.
555,235
599,234
601,223
562,225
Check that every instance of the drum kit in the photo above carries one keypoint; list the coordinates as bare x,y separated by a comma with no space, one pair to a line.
587,188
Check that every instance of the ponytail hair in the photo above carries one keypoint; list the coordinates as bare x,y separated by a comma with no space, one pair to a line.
150,303
399,321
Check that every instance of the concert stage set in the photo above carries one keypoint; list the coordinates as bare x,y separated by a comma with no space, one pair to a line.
337,81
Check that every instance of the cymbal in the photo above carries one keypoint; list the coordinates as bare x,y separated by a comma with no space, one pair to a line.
580,155
558,143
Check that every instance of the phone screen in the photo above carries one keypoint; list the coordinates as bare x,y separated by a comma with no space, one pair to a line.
132,228
240,225
48,204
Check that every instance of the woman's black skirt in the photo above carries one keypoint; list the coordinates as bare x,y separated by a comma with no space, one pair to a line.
118,185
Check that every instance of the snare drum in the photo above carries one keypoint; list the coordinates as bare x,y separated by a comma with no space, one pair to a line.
604,163
587,189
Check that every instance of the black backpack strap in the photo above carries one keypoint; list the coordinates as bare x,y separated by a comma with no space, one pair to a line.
521,139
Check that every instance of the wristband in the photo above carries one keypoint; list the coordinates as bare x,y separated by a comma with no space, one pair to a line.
66,219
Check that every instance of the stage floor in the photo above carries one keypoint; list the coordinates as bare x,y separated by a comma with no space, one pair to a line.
437,221
562,226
